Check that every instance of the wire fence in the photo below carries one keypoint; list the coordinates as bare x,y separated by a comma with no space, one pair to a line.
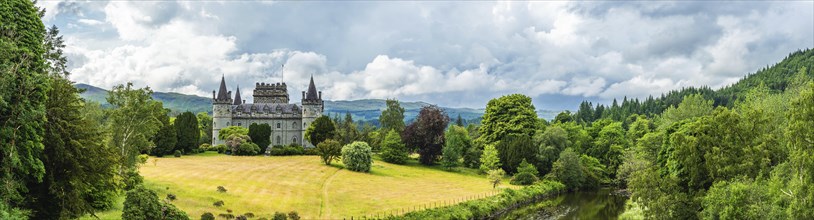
431,205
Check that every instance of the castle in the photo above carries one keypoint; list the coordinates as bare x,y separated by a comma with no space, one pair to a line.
288,121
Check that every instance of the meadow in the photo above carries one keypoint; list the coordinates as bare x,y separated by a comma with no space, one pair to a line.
264,185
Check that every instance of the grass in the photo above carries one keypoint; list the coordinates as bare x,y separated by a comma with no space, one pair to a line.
264,185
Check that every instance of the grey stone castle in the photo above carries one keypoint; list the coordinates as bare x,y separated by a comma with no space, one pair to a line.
288,121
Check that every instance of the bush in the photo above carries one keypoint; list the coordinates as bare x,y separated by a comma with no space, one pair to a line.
218,203
279,216
177,153
207,216
329,150
293,215
226,215
141,203
204,147
293,149
221,189
310,151
526,174
132,179
249,215
356,156
220,148
241,217
171,197
142,158
247,149
170,212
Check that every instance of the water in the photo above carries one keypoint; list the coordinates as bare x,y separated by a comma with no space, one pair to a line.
599,204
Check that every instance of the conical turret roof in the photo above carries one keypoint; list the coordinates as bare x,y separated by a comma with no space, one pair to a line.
238,100
311,94
222,93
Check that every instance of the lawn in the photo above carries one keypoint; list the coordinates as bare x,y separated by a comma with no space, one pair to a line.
264,185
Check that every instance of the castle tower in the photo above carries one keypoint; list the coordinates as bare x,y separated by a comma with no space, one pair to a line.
221,111
312,107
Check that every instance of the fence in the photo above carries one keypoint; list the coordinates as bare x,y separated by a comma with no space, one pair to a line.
431,205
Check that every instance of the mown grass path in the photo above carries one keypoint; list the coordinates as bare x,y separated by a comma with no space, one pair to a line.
264,185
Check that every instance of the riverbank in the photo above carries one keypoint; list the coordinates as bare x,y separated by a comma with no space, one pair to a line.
603,203
490,207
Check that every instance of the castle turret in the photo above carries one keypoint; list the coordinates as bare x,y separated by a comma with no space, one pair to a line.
221,111
312,107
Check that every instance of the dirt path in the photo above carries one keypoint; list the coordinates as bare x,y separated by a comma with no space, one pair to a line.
324,206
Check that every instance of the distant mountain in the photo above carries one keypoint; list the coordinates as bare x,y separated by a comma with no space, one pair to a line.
367,110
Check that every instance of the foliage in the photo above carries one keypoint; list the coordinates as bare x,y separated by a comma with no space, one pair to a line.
220,148
526,174
260,134
457,140
393,151
609,146
510,114
132,179
347,131
235,140
567,170
356,156
224,133
293,215
392,118
186,127
484,208
132,119
205,125
513,149
739,199
166,138
426,134
221,189
691,106
292,149
247,149
329,150
207,216
320,130
279,216
177,153
550,144
24,85
489,159
141,203
495,176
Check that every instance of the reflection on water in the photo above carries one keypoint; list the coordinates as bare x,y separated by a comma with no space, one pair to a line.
599,204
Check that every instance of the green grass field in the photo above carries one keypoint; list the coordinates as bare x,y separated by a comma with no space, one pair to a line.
264,185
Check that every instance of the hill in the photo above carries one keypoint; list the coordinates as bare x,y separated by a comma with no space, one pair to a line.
264,185
364,110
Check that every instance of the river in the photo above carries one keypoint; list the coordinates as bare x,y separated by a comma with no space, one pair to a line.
599,204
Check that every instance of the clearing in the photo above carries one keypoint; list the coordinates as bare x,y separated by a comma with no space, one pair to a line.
264,185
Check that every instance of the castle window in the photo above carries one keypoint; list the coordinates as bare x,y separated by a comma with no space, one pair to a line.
239,124
278,124
294,140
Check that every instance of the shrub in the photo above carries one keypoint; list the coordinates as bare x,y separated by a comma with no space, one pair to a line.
205,147
226,215
249,215
495,176
142,158
207,216
247,149
170,212
393,150
141,203
171,197
221,189
526,174
310,151
218,203
132,179
356,156
177,153
279,216
293,149
241,217
220,148
329,150
293,215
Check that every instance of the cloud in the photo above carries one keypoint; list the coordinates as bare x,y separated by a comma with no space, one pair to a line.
443,52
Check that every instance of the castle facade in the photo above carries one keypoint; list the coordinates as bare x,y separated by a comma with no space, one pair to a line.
271,106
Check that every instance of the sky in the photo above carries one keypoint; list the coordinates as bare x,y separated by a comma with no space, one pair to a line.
454,54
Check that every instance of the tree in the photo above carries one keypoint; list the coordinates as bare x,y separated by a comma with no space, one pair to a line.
205,125
186,127
23,88
563,117
260,135
166,137
489,160
609,146
510,114
320,130
393,150
347,130
457,140
357,156
741,199
426,134
229,131
513,149
141,203
80,169
691,106
392,118
133,119
526,174
235,140
495,176
459,121
551,143
329,150
567,169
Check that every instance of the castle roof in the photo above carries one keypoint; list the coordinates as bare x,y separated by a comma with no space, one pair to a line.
238,100
312,91
222,93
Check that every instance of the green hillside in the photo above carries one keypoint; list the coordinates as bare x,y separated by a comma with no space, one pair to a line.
365,110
